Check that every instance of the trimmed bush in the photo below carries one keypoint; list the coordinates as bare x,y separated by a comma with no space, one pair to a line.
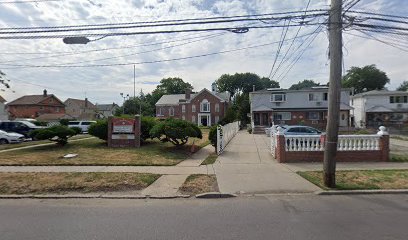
99,129
212,136
39,123
176,131
147,123
77,130
64,122
58,134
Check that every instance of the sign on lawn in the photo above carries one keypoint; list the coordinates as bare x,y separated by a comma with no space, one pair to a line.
124,132
123,125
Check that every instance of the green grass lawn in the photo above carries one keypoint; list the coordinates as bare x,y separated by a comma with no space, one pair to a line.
210,159
199,183
60,183
363,179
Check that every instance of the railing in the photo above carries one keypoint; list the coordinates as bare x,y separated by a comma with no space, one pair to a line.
225,134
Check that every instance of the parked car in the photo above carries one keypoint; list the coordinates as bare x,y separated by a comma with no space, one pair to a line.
6,137
83,125
21,127
300,130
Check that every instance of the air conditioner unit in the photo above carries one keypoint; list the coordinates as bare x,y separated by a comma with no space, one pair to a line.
315,122
277,103
399,105
318,103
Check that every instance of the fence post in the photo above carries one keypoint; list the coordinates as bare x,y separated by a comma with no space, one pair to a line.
384,144
280,149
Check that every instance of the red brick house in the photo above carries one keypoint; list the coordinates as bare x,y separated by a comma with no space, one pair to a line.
204,108
32,106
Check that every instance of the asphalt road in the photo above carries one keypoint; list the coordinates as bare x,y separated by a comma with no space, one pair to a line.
263,217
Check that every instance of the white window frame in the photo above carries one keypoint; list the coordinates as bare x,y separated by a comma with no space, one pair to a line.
217,108
171,111
193,108
312,97
318,116
273,97
183,108
284,116
203,103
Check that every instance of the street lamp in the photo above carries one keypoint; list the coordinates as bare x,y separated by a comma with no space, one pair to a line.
124,100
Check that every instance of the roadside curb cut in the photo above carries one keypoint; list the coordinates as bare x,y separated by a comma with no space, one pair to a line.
355,192
215,195
91,197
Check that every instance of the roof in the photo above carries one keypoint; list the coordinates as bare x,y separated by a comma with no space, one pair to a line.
261,108
379,93
2,100
345,106
32,99
53,116
80,102
282,90
174,99
106,107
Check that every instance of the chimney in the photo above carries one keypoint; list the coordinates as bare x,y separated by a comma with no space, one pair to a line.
188,93
86,102
45,92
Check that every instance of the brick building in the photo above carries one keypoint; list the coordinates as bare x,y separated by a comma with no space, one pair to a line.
204,108
80,109
32,106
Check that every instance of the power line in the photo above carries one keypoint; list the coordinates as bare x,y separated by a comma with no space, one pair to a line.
282,39
29,1
371,37
17,66
379,14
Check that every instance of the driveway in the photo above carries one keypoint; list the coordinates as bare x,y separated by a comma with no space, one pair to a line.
246,166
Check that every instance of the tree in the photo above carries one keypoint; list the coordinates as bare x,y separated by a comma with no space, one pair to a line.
176,131
403,86
172,86
365,78
3,80
57,133
99,129
304,84
243,83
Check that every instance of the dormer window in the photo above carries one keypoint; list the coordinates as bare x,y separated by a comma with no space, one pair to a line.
205,106
278,97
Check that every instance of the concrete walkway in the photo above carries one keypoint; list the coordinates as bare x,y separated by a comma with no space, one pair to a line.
197,158
246,166
295,167
165,186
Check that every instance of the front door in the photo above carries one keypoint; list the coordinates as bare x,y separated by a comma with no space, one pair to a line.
204,121
256,119
343,119
265,119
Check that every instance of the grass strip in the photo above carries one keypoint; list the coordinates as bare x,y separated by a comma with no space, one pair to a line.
199,183
60,183
210,159
362,179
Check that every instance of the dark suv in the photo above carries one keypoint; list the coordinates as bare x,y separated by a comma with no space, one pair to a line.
22,127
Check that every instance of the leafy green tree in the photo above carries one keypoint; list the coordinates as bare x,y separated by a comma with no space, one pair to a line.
212,136
403,86
368,77
147,123
3,80
176,131
172,86
304,84
243,83
58,134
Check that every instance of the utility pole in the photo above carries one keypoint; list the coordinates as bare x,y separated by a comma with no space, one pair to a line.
332,127
134,86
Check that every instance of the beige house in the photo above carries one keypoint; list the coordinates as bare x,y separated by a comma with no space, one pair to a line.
80,109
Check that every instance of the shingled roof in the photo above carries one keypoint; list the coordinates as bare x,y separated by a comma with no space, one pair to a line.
32,100
80,103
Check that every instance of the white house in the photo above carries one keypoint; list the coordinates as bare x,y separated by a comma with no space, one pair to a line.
306,106
380,107
3,112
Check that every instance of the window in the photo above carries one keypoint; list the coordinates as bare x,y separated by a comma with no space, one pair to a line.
313,97
217,119
282,116
183,108
281,97
57,109
325,96
193,108
193,119
205,106
313,115
391,99
217,108
171,111
405,99
397,99
183,117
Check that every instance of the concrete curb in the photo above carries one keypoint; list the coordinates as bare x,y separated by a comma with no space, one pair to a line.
355,192
80,196
215,195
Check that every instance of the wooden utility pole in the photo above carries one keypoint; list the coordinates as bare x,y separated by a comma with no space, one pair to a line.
332,128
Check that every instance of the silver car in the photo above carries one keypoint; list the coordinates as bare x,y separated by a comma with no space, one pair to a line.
8,137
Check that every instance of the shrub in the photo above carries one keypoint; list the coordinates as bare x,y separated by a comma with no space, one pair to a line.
176,131
64,122
77,130
212,136
58,133
40,123
147,123
99,129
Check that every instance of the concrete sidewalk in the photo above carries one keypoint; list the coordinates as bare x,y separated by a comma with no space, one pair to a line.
295,167
247,166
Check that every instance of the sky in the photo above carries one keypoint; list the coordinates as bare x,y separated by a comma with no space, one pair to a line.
104,84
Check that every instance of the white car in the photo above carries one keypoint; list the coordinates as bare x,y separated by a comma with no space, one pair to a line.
6,137
83,125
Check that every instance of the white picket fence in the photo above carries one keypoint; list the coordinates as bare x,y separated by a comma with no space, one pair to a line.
225,134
